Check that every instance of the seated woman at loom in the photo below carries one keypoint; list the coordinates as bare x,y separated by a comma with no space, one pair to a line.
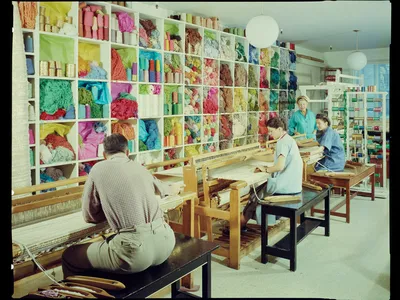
286,174
329,139
123,193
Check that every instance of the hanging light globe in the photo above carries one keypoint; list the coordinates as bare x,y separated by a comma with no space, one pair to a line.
357,60
262,31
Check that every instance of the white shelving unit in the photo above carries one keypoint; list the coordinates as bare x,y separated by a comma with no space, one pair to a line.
367,114
71,168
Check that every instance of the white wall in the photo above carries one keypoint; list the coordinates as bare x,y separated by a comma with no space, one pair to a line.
149,9
337,59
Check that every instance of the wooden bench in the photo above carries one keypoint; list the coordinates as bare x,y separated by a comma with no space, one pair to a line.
189,254
361,172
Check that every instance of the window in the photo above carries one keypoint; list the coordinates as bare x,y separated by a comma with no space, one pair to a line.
379,75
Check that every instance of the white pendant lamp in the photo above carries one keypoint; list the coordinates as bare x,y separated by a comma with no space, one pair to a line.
262,31
357,59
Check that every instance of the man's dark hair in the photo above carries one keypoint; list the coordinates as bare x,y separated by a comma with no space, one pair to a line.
115,143
276,123
324,118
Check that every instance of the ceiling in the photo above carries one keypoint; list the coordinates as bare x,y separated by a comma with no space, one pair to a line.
315,25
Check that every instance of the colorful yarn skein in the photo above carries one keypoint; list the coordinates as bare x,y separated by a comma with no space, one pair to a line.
265,59
225,76
253,80
192,130
226,100
263,100
210,72
209,128
210,103
192,101
225,127
240,75
253,100
240,101
192,70
264,84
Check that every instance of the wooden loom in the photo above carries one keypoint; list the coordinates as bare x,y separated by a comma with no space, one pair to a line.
49,245
208,174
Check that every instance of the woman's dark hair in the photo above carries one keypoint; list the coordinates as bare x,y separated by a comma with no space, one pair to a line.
324,118
276,123
115,143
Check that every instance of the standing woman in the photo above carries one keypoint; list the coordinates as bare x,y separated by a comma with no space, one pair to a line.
334,158
303,120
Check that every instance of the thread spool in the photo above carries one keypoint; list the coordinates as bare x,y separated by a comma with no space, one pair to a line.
119,37
167,109
69,19
47,27
158,65
100,150
177,77
188,18
47,20
44,68
31,137
105,28
59,73
106,111
81,111
31,112
52,72
151,65
87,111
28,44
172,140
145,75
166,45
175,97
166,141
152,76
42,10
129,74
158,77
141,75
134,71
60,22
70,70
170,77
30,66
30,94
127,38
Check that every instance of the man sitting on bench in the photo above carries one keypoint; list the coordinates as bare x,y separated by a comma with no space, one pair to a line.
123,193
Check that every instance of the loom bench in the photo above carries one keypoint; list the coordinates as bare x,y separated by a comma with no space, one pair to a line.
287,246
189,254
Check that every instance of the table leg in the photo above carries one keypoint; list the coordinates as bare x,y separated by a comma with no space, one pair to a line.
188,222
372,179
312,211
293,241
302,218
264,234
206,278
327,214
347,204
175,286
